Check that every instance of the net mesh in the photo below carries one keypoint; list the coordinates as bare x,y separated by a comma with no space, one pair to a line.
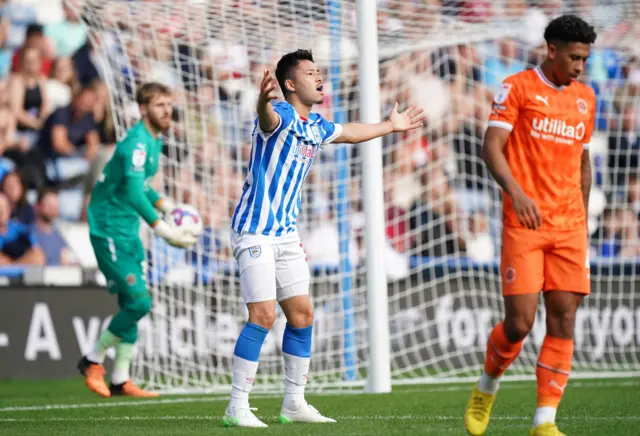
442,209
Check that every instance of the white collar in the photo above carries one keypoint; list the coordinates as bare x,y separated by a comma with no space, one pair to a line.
548,82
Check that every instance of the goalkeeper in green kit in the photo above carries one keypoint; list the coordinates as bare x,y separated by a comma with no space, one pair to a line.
121,195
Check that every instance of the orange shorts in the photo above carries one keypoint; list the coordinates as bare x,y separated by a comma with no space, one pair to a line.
534,261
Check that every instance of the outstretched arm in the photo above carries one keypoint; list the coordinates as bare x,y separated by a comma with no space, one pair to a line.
354,133
268,119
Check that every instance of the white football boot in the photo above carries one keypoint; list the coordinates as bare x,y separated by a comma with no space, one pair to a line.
304,412
241,417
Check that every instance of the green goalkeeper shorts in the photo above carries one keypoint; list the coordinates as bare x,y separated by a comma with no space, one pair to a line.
123,264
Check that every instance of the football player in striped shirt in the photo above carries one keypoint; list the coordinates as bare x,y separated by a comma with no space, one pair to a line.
273,267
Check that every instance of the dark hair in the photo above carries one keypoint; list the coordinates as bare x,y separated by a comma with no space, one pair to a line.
34,30
288,63
149,90
42,193
570,28
23,198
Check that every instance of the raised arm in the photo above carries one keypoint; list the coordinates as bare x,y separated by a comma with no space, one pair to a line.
354,133
268,119
493,155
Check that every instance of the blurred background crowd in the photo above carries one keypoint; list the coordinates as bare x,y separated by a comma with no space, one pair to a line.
57,127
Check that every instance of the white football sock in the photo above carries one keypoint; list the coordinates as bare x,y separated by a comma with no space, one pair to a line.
296,370
119,375
488,384
244,373
105,341
124,355
544,414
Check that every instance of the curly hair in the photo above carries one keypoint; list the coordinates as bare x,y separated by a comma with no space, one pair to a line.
570,28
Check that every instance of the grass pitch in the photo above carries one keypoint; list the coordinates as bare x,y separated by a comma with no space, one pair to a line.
592,407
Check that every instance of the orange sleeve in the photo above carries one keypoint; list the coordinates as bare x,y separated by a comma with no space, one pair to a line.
506,105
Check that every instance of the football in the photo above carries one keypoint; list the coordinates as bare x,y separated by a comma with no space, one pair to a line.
185,215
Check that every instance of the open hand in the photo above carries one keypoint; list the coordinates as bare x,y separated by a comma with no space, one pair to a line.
267,88
527,211
407,120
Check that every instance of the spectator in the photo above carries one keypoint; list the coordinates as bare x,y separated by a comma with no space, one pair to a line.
29,96
618,236
68,35
69,140
624,147
102,114
433,219
497,68
36,40
9,140
13,187
6,53
634,194
62,82
53,245
18,245
86,69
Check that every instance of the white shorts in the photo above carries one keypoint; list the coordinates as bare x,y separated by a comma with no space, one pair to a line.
273,272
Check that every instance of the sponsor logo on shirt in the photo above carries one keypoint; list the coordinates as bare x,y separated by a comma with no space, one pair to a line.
304,151
551,129
138,158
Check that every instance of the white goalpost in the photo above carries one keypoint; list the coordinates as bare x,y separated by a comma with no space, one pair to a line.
402,233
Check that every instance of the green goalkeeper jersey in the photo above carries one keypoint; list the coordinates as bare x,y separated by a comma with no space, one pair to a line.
123,193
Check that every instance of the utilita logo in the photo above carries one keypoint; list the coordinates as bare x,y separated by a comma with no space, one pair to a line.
303,150
557,130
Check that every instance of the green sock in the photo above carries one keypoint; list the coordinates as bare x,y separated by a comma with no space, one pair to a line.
124,355
105,341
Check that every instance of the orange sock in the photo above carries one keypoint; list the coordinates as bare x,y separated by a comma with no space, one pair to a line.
552,371
500,352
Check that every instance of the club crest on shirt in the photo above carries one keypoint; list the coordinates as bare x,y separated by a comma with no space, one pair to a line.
138,157
502,94
255,251
316,133
583,108
131,279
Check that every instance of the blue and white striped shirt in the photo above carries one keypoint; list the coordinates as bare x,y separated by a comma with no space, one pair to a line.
279,163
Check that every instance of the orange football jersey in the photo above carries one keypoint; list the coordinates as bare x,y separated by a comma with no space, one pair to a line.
550,127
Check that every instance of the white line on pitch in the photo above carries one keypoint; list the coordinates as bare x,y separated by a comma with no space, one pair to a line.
339,418
212,398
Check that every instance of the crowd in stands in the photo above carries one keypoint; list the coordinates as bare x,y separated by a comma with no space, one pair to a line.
57,127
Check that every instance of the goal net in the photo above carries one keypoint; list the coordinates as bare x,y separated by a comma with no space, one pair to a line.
442,208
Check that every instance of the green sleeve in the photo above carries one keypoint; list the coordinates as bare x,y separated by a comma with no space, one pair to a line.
134,157
152,195
139,201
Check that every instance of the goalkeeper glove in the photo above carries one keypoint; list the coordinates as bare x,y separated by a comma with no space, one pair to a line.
165,205
176,236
